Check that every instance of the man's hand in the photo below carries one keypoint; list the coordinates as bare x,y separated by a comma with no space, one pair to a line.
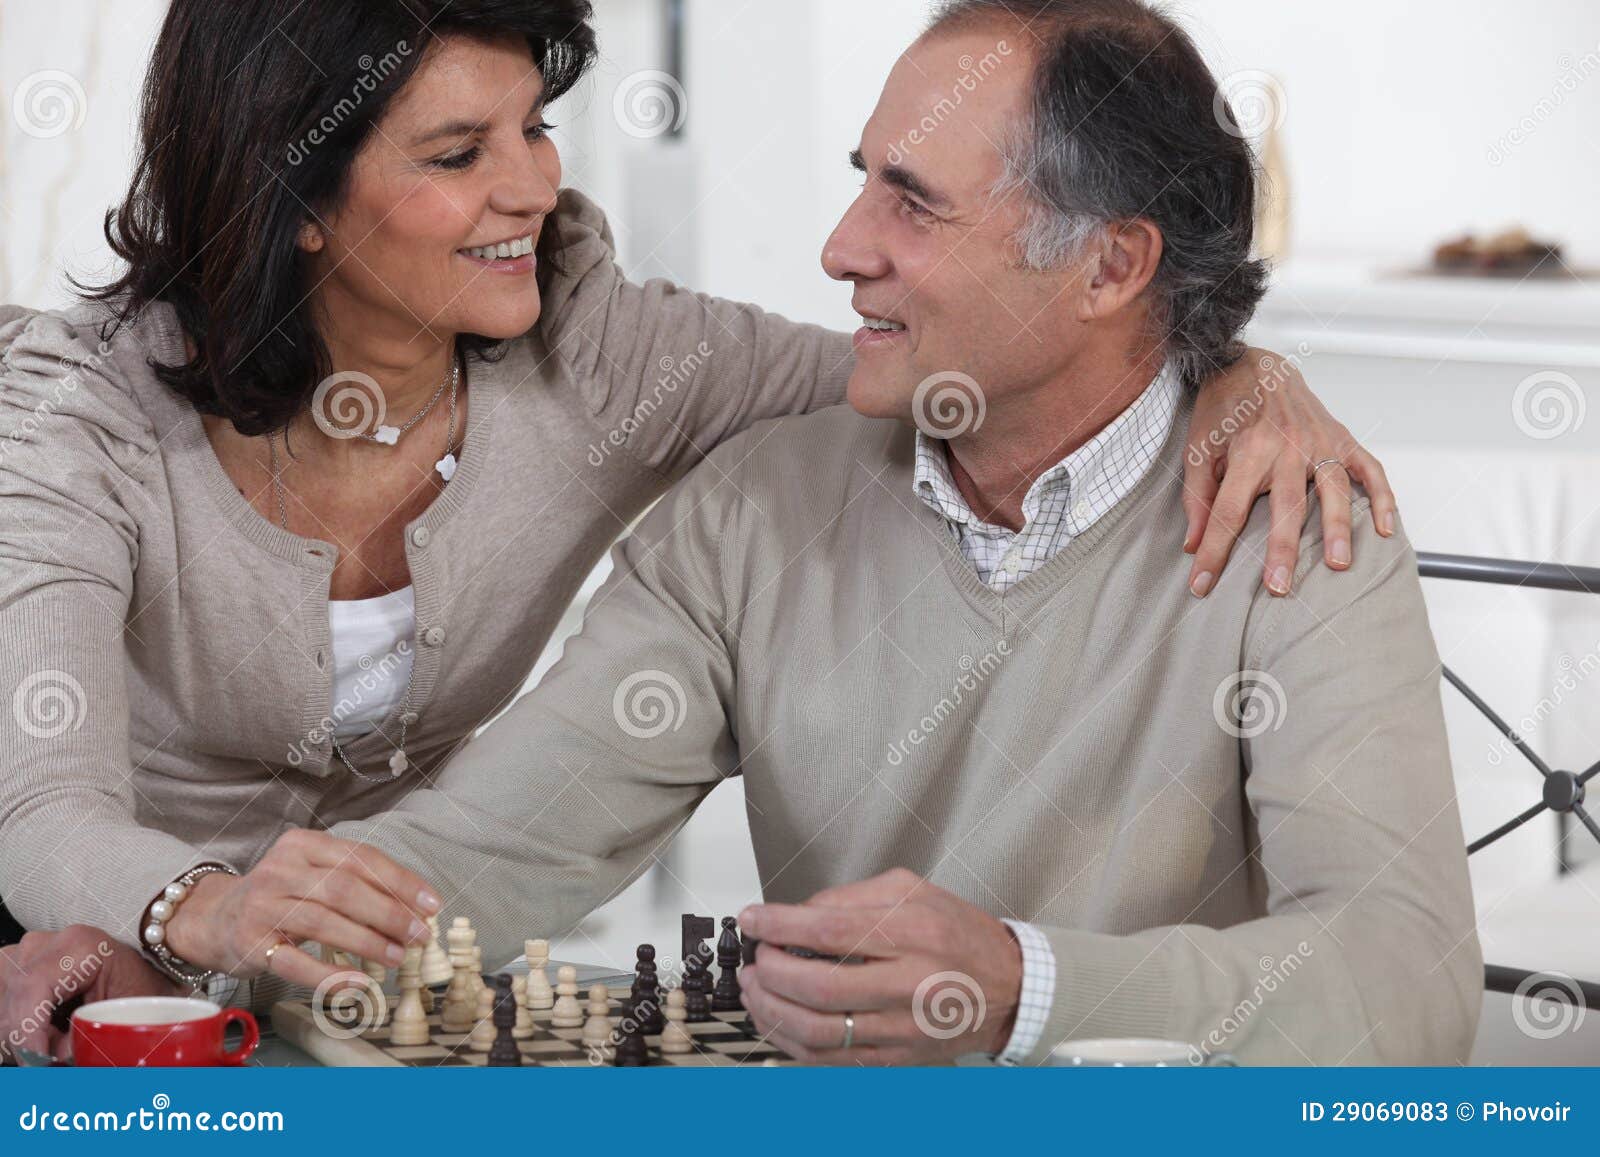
940,978
1258,429
309,886
48,974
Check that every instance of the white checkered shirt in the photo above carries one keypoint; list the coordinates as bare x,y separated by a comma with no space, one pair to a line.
1064,502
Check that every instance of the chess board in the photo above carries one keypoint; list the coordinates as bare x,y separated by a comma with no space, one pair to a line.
720,1042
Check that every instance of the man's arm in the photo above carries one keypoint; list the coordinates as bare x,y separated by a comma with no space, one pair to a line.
572,793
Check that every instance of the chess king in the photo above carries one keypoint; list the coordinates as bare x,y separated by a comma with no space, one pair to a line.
946,634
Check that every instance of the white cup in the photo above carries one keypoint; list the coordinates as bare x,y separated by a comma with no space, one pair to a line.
1131,1053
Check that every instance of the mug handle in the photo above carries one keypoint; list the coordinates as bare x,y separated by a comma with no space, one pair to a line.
252,1035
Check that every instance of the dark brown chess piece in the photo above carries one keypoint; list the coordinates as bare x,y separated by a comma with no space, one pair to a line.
631,1051
504,1053
647,992
696,983
727,997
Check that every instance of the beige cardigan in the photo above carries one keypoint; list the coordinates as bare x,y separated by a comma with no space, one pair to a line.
1288,883
166,668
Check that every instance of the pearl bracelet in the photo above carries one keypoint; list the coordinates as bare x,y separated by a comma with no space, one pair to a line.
162,912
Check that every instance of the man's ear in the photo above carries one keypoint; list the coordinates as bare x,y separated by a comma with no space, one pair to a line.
1129,257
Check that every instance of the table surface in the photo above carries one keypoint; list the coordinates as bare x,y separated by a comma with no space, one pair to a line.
275,1052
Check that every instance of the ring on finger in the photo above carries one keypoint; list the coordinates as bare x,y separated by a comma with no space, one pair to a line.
274,948
849,1031
1317,469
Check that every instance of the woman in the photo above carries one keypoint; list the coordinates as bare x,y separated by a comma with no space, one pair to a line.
217,565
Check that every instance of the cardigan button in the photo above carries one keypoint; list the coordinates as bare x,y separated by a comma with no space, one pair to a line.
433,636
409,719
421,536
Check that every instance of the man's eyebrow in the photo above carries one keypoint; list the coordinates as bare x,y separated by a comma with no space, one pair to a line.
899,177
462,128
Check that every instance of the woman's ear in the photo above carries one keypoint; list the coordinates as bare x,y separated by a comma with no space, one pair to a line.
1128,263
311,239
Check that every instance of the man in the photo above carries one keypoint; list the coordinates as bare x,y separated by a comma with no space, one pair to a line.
990,742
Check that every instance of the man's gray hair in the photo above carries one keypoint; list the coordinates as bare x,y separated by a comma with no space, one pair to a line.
1128,122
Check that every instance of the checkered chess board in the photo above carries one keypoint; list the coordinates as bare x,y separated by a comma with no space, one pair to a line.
723,1041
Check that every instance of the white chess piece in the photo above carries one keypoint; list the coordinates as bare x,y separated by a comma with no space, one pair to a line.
435,963
483,1031
598,1042
377,973
461,999
523,1029
410,1025
568,1013
675,1037
540,994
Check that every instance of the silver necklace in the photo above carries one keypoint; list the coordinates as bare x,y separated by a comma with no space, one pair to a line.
390,435
446,467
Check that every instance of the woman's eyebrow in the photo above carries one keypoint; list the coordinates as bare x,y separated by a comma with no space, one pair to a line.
463,128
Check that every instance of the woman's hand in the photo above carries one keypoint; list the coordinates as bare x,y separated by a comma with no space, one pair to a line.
309,886
1258,429
48,974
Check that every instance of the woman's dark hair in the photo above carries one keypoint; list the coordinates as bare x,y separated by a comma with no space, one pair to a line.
253,113
1128,122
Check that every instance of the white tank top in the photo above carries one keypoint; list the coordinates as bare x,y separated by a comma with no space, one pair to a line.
372,656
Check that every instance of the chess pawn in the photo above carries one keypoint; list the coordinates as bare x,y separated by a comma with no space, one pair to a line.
647,991
461,1000
522,1027
597,1039
631,1050
435,964
696,981
461,937
410,1024
376,975
675,1037
479,985
482,1038
540,994
567,1013
504,1053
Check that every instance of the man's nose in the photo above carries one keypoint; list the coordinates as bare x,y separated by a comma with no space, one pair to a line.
853,252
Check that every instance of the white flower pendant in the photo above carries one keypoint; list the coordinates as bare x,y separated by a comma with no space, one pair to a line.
388,435
446,467
398,762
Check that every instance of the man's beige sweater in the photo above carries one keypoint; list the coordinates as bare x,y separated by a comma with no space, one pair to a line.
1286,882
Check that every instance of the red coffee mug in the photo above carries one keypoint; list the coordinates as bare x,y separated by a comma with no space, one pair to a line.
159,1032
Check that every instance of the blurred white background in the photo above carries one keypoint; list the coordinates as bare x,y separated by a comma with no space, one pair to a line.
1399,125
